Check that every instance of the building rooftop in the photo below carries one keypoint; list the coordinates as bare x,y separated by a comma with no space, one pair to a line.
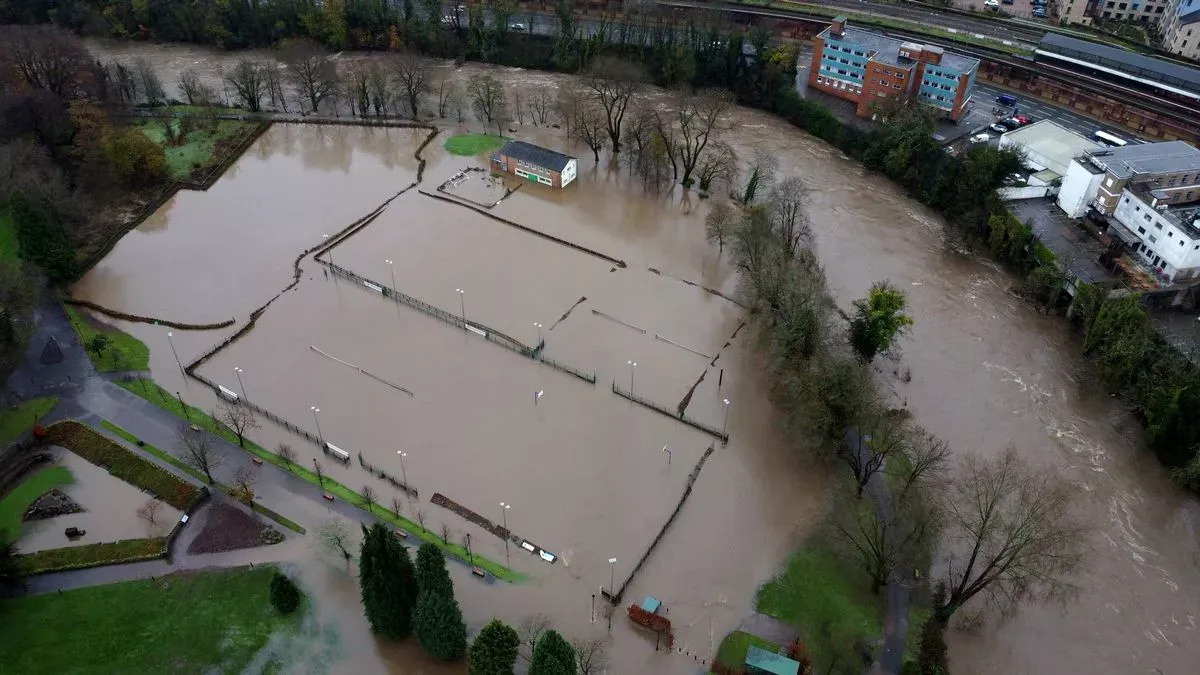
887,50
1147,158
768,662
1055,145
1182,216
535,155
1127,62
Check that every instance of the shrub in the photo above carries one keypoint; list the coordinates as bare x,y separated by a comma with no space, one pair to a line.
285,595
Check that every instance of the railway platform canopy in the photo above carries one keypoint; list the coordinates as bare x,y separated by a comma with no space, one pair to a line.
1124,67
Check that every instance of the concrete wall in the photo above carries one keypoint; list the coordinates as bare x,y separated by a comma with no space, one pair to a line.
1027,192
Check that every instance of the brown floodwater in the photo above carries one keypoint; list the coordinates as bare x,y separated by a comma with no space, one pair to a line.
584,470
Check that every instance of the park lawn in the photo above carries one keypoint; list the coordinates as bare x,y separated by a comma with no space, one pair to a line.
827,598
9,249
200,151
732,652
473,144
13,506
162,398
15,421
179,624
124,352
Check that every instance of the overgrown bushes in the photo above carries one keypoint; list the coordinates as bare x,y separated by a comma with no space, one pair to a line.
121,463
93,555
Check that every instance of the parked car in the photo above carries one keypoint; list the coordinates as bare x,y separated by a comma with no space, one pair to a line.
1007,2
1039,12
1011,123
980,138
517,25
1023,119
998,128
993,5
1038,3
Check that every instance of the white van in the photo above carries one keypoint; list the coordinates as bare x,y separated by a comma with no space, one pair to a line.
993,5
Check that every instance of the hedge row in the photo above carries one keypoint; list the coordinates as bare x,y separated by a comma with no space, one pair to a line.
122,463
94,555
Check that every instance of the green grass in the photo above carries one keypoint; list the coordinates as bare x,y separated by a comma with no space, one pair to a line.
918,614
124,352
13,506
473,144
824,596
155,394
196,473
94,555
178,624
122,463
16,421
732,652
9,249
199,152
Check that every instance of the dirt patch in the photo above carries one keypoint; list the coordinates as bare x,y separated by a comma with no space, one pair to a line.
229,528
51,505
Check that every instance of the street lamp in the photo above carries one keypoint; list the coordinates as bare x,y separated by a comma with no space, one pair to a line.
612,576
539,327
320,436
169,334
328,252
725,428
632,366
668,451
392,269
239,378
462,304
504,512
403,473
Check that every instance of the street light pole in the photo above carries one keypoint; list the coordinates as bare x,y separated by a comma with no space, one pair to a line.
392,269
725,428
329,251
668,451
320,436
240,384
612,577
539,327
403,473
632,367
172,342
462,304
504,512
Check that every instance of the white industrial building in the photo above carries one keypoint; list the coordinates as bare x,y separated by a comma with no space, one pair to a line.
1166,237
1097,178
1047,149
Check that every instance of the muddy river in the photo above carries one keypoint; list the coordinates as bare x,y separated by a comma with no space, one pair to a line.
583,468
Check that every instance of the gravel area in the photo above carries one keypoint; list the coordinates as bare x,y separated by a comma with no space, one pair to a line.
229,528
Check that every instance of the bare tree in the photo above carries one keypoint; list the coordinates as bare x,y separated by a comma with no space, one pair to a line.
591,655
667,137
198,450
1015,533
540,104
337,538
379,87
320,471
698,116
419,514
193,89
518,105
760,176
125,82
274,85
412,77
718,165
612,83
487,100
243,482
789,219
149,511
567,104
249,84
46,57
148,79
446,91
720,223
311,72
369,498
867,448
357,88
396,505
922,463
589,127
530,629
237,417
883,534
287,454
654,162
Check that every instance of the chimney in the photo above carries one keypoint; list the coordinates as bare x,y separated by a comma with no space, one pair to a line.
838,26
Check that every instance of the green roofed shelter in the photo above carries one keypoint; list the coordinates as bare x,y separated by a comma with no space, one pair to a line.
763,662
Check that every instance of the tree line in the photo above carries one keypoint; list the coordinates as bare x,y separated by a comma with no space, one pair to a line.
1003,532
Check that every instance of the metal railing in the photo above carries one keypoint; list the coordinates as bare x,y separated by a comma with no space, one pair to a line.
711,430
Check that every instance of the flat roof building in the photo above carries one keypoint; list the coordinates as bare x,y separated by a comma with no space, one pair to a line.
1048,146
876,72
1131,67
1096,179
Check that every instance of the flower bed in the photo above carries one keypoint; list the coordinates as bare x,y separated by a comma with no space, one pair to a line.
122,463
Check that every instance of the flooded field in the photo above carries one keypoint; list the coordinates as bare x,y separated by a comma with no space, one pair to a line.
584,469
110,512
